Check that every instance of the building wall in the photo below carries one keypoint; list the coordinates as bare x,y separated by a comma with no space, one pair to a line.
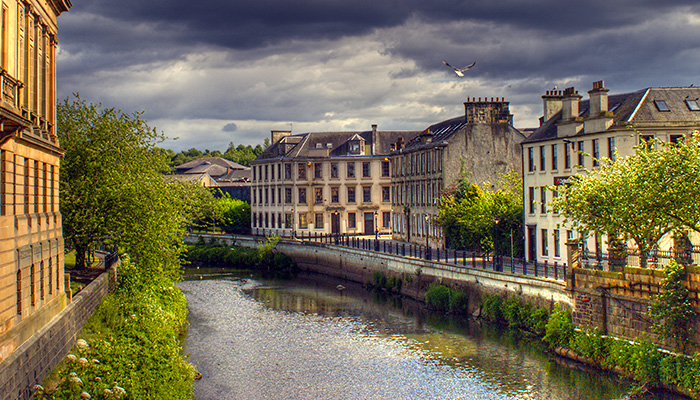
273,213
31,241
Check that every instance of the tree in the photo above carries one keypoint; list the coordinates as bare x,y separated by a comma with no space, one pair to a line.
671,308
113,188
481,217
232,214
641,197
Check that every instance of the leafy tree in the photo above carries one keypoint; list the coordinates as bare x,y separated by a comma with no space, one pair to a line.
641,197
478,217
232,214
113,188
671,308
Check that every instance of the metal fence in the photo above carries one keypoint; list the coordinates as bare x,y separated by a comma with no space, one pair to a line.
453,257
657,259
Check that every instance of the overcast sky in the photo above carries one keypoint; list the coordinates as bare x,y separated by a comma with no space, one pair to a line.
211,72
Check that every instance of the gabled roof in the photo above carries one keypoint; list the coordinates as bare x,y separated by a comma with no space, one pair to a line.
440,132
211,161
631,108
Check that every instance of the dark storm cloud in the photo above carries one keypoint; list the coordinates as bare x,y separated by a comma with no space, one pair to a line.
230,127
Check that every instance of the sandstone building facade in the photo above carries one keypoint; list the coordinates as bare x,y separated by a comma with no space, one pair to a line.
481,145
31,242
324,183
575,134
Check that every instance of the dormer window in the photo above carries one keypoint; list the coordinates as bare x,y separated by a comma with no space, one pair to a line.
692,105
661,105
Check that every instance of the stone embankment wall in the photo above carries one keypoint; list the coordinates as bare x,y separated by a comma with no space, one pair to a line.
32,361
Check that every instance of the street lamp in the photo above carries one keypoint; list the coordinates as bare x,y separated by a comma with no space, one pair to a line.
293,232
335,225
495,241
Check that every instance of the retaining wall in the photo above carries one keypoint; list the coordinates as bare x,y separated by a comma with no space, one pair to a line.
34,359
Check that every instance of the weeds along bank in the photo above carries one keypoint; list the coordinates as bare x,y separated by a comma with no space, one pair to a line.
130,348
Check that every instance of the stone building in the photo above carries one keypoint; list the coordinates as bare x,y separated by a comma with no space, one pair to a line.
571,129
31,241
324,182
481,145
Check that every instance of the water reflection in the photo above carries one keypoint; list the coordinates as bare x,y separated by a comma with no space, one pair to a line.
255,339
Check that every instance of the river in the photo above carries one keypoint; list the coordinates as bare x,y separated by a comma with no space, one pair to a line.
253,338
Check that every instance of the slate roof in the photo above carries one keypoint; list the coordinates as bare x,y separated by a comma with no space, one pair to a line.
440,132
302,145
631,108
222,162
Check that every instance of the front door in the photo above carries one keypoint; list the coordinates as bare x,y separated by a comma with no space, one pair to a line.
369,223
532,243
335,223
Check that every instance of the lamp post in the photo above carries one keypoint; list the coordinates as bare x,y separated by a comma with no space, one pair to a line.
495,242
293,231
335,225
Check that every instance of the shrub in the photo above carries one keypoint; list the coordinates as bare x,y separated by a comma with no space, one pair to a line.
537,320
459,302
559,328
492,308
438,297
590,344
379,280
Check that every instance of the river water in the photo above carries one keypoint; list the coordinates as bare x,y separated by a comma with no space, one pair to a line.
253,338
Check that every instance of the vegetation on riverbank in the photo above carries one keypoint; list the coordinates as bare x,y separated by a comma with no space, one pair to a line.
264,258
640,360
130,348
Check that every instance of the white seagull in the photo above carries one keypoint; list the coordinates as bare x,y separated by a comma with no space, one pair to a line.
459,71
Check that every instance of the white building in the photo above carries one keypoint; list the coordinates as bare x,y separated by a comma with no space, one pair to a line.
571,128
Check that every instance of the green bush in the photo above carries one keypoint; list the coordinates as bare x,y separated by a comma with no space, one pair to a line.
379,280
459,302
537,320
263,258
590,344
438,297
559,329
492,308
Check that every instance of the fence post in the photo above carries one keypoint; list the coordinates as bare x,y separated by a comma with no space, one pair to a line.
546,274
524,266
535,262
464,258
403,249
556,272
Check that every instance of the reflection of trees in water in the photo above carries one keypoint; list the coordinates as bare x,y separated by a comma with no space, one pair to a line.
512,361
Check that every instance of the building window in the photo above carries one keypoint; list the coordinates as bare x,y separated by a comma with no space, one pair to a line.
661,105
351,169
255,169
645,138
302,195
318,195
611,148
351,195
303,222
385,168
335,195
543,198
386,194
557,250
318,170
272,172
287,171
692,105
581,149
266,171
555,160
41,280
596,152
334,170
352,223
365,170
531,159
386,219
50,275
301,171
531,199
288,221
279,171
542,158
567,156
318,221
288,195
545,243
267,196
676,138
355,147
19,292
32,288
272,220
366,194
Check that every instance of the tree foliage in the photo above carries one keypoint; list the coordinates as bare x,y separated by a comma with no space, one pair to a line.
477,217
671,308
641,197
239,154
113,187
232,214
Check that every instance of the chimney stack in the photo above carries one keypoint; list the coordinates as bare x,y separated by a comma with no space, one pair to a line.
569,109
552,102
275,136
375,137
598,99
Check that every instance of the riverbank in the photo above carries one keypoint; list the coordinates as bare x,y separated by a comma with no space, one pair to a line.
130,347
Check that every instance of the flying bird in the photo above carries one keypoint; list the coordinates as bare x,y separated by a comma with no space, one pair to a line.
459,71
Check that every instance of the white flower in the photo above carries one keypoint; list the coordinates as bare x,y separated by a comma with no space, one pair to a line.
83,360
77,380
81,344
85,395
72,374
71,357
107,392
38,387
119,391
95,361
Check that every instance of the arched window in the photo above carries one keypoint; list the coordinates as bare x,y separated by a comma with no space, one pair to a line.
19,292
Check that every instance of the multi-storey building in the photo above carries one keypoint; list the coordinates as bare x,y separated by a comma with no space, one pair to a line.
574,135
480,145
31,242
324,182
